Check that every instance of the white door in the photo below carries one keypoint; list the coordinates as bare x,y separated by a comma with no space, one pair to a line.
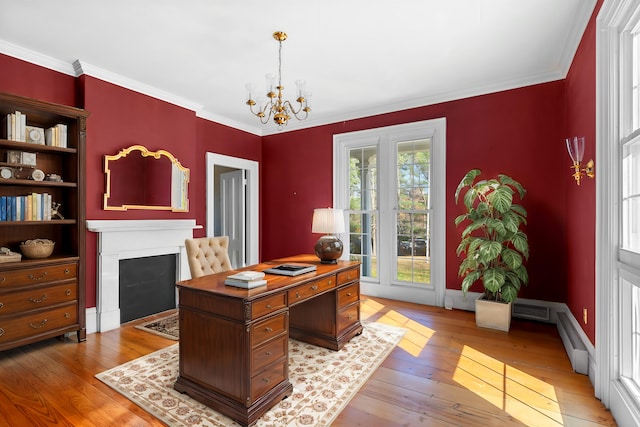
233,204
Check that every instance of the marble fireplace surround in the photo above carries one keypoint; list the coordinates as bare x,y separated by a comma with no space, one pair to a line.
128,239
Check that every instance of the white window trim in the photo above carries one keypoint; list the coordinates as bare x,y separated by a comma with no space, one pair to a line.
608,386
384,138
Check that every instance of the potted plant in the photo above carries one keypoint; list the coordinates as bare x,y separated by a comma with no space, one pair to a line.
493,245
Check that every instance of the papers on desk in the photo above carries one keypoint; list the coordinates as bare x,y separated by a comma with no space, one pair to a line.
291,269
246,279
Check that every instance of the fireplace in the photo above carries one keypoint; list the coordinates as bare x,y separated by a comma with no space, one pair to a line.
129,239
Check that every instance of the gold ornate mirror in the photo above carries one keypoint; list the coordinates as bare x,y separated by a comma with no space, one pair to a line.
137,178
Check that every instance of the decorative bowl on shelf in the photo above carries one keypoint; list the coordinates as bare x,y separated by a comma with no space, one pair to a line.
37,248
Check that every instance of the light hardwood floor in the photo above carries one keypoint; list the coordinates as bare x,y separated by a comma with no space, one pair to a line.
445,372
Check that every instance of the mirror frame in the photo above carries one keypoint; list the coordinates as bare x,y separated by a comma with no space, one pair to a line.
179,181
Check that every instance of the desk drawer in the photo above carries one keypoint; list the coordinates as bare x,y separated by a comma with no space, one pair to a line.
268,305
269,328
348,276
347,317
17,302
38,275
348,295
302,292
267,379
268,353
41,322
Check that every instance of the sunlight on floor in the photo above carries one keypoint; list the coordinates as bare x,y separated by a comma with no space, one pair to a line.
520,395
417,336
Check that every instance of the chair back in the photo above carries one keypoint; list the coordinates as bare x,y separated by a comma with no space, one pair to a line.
208,255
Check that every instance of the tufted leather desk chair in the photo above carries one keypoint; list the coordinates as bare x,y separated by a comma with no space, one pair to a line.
208,255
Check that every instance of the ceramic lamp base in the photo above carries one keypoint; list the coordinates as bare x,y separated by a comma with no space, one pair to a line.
329,249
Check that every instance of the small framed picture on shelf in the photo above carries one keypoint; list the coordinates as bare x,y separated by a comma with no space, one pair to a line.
14,157
35,135
28,159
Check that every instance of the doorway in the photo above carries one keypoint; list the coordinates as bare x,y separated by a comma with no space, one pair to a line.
232,205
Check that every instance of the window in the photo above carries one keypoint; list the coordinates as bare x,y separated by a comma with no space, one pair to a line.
391,183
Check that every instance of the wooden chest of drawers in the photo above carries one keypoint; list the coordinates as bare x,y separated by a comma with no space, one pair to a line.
38,301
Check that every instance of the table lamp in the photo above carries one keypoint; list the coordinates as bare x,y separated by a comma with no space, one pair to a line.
329,221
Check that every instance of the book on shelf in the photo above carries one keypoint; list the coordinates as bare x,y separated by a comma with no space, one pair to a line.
291,269
56,136
31,207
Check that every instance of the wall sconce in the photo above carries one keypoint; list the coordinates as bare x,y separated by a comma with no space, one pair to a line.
575,147
330,221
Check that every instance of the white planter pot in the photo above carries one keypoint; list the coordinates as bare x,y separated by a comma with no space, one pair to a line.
493,314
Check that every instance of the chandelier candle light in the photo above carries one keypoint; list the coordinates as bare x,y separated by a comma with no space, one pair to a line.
329,221
275,106
575,147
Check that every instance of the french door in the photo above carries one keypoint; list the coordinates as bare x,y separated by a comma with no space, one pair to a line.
390,181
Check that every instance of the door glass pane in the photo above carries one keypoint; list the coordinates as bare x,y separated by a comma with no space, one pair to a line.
631,196
363,199
412,213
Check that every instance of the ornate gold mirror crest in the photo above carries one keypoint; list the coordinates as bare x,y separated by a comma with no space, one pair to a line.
137,178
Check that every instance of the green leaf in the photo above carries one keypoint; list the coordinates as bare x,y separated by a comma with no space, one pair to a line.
496,225
489,251
467,180
521,243
467,265
511,221
511,258
460,218
468,281
469,198
493,279
507,180
509,293
522,274
501,198
520,211
472,227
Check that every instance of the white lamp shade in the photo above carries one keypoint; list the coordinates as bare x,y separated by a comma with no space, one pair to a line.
327,220
575,147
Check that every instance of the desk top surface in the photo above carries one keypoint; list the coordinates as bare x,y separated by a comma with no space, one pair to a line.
214,283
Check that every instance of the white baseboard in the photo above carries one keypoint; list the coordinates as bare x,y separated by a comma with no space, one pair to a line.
91,320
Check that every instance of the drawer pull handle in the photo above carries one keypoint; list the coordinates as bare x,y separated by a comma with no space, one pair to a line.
267,353
268,329
44,322
67,292
349,294
66,271
268,305
266,380
38,300
350,316
314,288
1,332
32,277
2,279
1,304
67,315
297,294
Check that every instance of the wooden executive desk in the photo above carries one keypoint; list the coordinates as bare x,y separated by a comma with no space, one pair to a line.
234,342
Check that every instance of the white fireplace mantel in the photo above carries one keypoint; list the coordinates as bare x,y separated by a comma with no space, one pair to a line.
128,239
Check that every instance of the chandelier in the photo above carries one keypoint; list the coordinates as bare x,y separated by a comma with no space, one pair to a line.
274,105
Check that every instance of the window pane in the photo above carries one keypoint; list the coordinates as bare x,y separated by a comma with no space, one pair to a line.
412,217
362,208
631,196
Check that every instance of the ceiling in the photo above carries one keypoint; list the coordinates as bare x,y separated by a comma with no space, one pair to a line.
358,57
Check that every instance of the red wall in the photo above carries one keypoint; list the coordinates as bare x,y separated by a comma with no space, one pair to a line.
580,201
517,132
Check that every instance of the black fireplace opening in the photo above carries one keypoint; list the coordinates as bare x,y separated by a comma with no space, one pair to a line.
147,286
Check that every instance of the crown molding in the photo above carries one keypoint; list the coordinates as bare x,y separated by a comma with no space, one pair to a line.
36,58
135,85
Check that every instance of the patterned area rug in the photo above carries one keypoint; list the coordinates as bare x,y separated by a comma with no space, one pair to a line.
167,327
323,382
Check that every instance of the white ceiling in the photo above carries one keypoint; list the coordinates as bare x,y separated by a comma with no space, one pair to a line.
359,57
